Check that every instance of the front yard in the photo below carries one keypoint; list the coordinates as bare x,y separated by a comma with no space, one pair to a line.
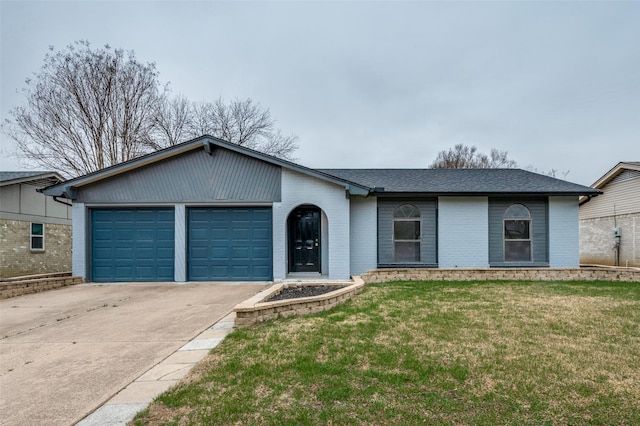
428,353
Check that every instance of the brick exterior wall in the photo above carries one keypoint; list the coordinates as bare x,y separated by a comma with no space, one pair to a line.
299,189
364,237
16,257
511,274
463,232
597,244
79,240
563,232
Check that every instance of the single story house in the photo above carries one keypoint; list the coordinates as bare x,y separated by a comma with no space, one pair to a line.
209,210
35,230
610,224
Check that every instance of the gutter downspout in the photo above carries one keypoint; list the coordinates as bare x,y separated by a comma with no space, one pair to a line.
55,198
589,197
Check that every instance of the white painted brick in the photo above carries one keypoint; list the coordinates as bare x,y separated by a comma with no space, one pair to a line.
564,251
78,240
299,189
364,223
463,232
180,254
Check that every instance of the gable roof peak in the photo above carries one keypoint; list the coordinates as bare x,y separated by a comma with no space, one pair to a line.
615,171
209,143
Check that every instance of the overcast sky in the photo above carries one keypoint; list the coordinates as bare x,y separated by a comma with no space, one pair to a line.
377,84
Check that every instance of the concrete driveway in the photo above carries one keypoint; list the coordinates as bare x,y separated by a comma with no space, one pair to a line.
65,352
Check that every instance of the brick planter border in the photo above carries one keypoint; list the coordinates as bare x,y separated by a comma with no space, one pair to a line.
12,287
256,310
491,274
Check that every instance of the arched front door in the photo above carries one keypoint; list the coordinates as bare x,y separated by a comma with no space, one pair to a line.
304,239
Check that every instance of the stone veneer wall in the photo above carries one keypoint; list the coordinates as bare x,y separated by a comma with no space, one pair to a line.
490,274
16,257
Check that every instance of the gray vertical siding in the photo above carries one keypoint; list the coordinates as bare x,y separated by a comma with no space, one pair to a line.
539,230
428,212
191,177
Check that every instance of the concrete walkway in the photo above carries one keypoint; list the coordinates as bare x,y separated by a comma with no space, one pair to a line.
69,352
122,408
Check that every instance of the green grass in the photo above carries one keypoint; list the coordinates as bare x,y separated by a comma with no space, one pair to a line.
498,353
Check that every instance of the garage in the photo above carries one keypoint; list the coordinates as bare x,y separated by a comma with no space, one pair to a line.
135,244
230,244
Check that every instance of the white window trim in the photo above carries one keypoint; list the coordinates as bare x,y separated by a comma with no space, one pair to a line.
393,233
529,240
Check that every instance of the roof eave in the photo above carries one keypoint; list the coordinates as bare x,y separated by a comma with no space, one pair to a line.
69,189
33,178
607,177
484,194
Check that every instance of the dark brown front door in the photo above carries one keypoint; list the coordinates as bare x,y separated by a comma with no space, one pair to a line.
304,240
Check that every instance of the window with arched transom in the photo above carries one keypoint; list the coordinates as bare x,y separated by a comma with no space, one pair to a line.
407,234
517,233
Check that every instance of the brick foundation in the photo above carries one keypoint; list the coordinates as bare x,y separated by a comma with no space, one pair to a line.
491,274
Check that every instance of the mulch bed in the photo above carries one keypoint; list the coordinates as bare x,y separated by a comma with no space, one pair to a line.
303,291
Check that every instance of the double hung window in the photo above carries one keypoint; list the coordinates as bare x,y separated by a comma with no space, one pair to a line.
37,237
407,234
517,234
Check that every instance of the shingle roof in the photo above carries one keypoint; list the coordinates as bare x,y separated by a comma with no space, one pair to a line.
362,181
36,177
460,181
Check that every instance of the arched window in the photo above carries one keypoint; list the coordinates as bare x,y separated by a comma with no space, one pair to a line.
406,234
517,234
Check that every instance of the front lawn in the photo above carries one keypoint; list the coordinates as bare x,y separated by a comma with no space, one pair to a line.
428,353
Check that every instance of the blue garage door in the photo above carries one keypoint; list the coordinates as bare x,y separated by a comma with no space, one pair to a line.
132,244
230,244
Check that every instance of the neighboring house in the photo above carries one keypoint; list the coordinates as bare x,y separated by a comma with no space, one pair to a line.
35,230
610,223
211,210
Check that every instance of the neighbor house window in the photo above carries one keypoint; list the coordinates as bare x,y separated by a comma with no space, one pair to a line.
37,236
517,234
406,234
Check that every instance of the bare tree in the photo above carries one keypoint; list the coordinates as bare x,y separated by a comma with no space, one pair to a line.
172,122
465,157
86,109
242,122
554,173
279,145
